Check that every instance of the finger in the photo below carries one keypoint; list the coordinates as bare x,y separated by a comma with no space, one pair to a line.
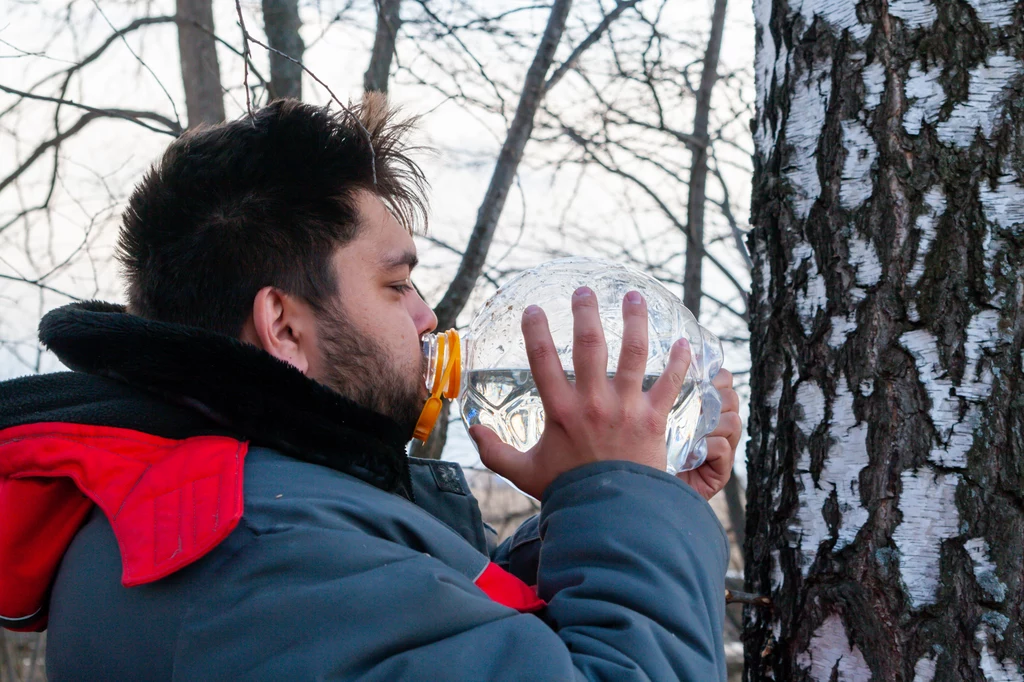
666,389
545,365
721,455
722,380
710,477
730,400
589,350
633,357
500,458
730,427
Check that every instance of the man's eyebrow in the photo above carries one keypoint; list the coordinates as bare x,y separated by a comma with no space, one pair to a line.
396,260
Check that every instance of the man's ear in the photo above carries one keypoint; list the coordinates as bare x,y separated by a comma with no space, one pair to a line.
283,326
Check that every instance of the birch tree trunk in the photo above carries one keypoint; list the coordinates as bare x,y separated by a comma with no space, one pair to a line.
200,70
885,512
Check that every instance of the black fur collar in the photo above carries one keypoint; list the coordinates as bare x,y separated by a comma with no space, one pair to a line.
247,391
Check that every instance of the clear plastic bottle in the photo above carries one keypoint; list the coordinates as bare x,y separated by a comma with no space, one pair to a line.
492,377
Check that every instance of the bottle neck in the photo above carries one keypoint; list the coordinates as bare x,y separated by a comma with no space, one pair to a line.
443,355
449,346
430,345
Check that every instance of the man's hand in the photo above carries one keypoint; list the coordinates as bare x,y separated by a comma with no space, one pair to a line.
714,473
599,418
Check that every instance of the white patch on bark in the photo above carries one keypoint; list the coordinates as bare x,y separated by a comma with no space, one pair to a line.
914,13
924,671
990,83
992,668
984,569
930,516
842,327
764,73
955,422
774,398
864,259
840,14
840,474
861,153
934,207
1003,205
761,252
777,577
829,652
847,457
912,313
994,12
810,527
803,131
873,76
811,401
925,91
812,298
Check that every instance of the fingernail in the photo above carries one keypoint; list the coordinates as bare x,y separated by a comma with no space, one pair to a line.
633,298
531,310
684,344
583,292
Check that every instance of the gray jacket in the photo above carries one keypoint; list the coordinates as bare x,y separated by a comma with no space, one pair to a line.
348,561
329,578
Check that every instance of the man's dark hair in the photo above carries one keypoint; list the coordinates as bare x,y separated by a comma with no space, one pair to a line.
261,201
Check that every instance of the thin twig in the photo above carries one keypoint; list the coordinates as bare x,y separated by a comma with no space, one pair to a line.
245,58
594,36
173,127
346,109
41,285
737,597
177,118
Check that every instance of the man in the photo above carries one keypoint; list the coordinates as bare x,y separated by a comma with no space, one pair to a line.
220,490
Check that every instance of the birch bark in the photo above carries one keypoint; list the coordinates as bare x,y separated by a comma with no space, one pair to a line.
885,509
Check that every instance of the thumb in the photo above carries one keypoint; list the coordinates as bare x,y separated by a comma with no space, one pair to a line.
500,458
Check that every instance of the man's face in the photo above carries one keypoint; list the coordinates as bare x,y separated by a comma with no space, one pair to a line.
370,342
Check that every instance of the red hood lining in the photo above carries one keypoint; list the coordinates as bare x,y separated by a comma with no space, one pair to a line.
169,503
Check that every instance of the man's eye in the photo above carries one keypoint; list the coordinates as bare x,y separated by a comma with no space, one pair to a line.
403,288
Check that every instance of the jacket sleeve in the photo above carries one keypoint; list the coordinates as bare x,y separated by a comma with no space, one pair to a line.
519,554
633,568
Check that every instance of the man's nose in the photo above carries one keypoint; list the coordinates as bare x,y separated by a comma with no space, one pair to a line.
426,320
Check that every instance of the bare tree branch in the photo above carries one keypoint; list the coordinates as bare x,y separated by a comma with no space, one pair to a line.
245,58
173,128
144,65
87,118
738,235
587,42
666,211
41,285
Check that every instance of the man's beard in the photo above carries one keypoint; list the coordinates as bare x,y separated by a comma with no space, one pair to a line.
360,368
